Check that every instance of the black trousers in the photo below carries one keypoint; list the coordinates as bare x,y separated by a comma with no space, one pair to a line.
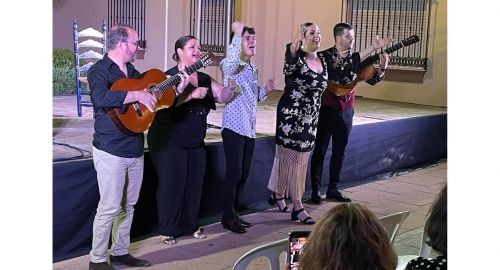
238,152
337,124
180,173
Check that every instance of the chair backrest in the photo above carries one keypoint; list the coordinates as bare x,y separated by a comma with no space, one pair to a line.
393,222
425,249
271,251
85,44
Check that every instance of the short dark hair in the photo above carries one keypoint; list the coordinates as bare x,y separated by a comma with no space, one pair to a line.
117,33
250,30
180,43
338,29
436,225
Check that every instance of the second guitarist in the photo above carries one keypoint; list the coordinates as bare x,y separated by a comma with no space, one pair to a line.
336,112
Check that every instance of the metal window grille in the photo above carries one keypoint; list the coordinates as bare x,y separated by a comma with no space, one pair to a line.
131,12
398,19
211,23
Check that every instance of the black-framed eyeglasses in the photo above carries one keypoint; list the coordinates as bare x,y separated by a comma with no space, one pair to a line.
135,43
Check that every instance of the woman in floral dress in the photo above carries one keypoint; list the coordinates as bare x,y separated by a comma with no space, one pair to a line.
297,118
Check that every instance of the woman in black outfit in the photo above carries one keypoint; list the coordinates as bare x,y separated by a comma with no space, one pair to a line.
177,147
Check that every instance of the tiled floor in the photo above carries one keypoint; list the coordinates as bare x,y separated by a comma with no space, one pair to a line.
413,190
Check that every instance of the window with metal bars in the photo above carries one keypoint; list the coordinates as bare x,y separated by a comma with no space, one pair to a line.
209,23
398,19
131,12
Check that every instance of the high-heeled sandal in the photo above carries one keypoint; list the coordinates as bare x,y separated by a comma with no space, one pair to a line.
169,240
273,200
295,216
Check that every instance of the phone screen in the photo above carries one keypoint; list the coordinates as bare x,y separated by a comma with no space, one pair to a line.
296,241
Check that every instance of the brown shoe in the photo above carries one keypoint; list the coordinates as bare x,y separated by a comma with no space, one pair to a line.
234,226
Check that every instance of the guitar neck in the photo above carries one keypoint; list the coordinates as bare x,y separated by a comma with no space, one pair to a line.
175,79
374,58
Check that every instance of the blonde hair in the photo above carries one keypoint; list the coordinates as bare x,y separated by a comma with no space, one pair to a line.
304,27
348,237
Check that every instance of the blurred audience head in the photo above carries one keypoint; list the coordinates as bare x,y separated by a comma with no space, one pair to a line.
348,236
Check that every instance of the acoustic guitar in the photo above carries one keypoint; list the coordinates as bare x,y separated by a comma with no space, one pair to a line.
366,68
135,117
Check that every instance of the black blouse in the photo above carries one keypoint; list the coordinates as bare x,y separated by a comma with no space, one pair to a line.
186,124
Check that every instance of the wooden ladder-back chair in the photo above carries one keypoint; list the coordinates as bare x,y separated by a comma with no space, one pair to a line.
85,57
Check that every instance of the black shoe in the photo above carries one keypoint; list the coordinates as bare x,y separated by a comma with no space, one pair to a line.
316,198
234,226
307,220
336,195
244,223
100,266
274,200
129,260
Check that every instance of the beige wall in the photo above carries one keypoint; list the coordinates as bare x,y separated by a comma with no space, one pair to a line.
88,13
156,29
433,90
275,22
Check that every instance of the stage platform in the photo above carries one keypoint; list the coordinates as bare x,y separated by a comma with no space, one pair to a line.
386,137
72,135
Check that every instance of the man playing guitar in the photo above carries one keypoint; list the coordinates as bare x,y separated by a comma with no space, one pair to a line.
337,109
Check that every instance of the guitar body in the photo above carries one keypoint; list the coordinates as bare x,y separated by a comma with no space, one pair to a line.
344,89
137,118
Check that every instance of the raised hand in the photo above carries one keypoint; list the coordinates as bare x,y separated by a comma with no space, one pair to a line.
299,37
237,28
381,42
298,40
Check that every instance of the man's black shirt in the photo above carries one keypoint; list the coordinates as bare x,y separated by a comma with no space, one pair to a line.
107,137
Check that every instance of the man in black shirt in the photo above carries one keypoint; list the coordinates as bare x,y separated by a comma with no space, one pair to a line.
337,111
118,157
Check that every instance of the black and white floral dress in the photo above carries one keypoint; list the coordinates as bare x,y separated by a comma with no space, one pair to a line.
298,107
296,124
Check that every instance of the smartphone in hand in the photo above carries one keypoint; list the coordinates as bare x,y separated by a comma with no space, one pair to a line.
296,241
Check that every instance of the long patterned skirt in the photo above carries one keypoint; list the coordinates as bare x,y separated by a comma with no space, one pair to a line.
289,172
